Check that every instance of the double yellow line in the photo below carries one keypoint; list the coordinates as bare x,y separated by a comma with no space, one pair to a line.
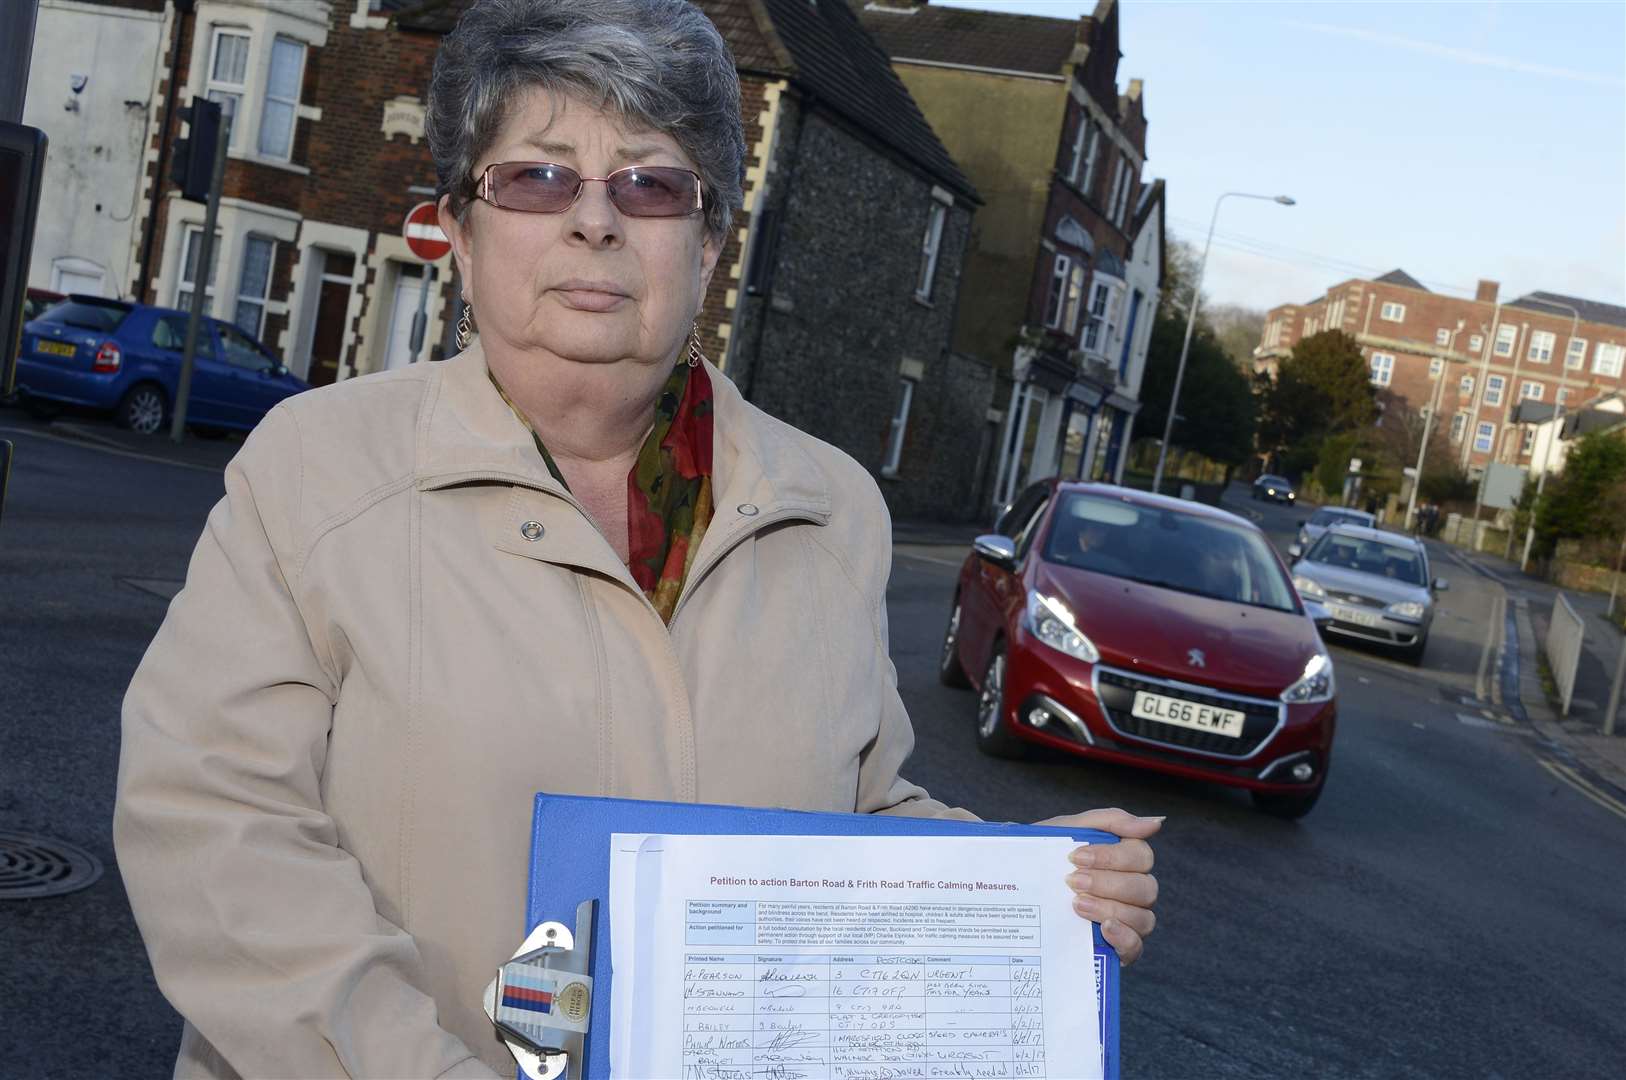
1580,784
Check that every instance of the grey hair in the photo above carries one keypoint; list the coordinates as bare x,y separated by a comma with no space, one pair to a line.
659,64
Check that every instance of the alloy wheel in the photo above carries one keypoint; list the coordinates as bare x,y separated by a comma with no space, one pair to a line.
993,697
144,412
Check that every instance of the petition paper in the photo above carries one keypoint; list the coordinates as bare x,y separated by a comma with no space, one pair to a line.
849,958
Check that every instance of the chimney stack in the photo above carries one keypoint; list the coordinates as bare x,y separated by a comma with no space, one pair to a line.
1486,293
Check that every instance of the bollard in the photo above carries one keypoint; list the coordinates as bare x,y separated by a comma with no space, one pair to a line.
1614,691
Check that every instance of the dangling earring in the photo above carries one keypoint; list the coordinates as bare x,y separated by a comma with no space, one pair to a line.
696,356
465,326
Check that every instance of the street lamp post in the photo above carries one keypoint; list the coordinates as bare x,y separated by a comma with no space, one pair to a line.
1428,423
1558,429
1191,322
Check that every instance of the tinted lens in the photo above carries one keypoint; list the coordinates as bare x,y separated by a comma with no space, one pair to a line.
537,186
655,191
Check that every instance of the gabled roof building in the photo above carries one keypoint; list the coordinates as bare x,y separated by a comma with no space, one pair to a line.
834,301
1030,107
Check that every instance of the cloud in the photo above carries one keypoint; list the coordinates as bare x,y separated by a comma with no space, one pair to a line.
1461,56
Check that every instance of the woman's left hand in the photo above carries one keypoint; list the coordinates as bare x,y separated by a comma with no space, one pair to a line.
1114,882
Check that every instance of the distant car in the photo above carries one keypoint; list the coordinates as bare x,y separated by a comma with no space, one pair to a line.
1375,584
1317,523
1276,488
126,358
1144,630
37,300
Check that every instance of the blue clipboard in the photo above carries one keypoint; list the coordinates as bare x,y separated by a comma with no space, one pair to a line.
570,863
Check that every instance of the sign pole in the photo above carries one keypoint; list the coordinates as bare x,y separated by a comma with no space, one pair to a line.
201,279
427,241
420,321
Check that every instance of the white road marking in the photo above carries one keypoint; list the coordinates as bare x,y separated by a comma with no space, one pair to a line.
96,448
1493,634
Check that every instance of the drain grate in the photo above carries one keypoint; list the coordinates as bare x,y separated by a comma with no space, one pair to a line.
34,866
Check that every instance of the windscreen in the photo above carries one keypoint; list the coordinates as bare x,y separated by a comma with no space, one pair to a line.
103,318
1188,553
1368,557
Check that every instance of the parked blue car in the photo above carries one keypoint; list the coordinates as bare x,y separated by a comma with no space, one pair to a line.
126,358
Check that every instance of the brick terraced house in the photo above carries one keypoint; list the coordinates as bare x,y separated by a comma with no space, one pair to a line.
834,301
1491,355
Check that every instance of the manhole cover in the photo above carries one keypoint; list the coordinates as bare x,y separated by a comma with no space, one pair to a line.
34,866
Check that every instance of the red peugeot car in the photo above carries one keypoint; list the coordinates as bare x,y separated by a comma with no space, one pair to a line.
1149,631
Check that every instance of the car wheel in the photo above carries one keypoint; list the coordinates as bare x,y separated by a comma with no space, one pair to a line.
993,733
142,409
1290,807
949,670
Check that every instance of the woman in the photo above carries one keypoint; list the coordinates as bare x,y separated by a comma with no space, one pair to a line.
568,559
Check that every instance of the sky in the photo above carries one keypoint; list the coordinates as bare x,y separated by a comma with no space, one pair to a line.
1457,141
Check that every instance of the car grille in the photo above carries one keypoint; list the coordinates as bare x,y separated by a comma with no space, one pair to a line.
1116,690
1354,598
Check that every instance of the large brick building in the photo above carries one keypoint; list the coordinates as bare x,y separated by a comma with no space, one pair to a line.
834,301
1475,359
1065,267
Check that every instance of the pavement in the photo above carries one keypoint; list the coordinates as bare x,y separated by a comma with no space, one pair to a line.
1578,738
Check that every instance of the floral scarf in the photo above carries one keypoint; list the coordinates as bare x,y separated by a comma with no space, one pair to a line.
668,489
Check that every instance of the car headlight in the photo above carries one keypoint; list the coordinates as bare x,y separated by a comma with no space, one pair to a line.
1316,684
1050,620
1292,495
1270,491
1309,589
1406,609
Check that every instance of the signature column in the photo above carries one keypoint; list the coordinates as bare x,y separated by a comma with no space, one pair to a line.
792,1007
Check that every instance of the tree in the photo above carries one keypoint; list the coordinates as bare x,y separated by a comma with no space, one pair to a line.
1588,499
1216,402
1180,266
1324,388
1238,330
1395,442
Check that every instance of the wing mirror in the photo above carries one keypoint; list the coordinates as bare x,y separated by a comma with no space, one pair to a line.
1318,614
1441,585
999,550
1295,551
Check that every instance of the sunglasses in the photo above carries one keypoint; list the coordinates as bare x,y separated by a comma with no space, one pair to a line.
543,187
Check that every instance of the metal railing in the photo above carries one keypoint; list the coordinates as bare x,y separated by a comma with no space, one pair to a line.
1565,633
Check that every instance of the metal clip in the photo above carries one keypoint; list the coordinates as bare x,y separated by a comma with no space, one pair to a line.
541,1000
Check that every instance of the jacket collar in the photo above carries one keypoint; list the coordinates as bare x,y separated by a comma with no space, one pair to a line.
760,469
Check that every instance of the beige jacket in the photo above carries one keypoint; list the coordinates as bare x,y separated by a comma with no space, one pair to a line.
331,745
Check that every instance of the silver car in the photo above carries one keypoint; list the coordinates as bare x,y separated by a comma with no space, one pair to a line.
1317,523
1376,584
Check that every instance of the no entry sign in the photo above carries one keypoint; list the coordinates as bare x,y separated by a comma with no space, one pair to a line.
423,233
